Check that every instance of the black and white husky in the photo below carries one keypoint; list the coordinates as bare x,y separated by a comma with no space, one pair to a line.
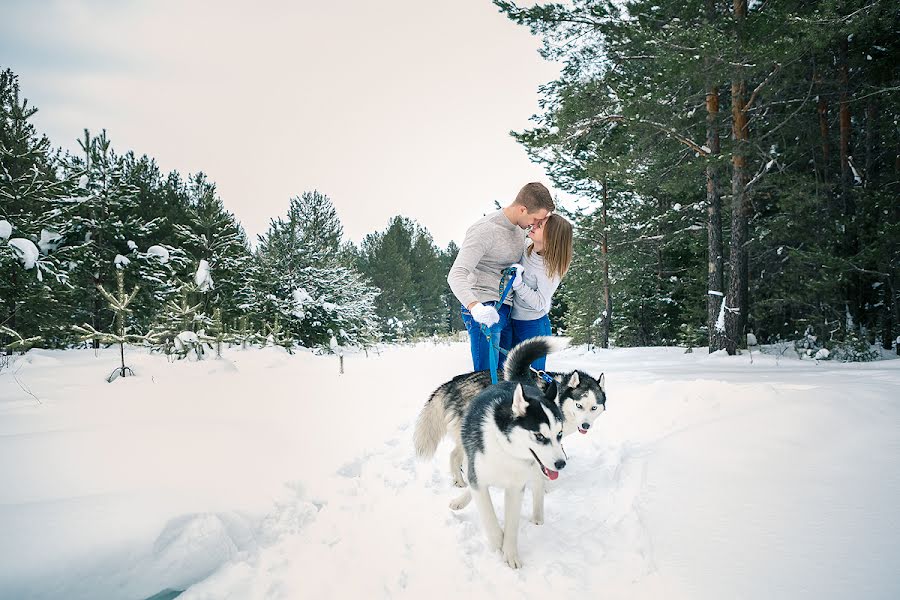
510,434
510,430
580,397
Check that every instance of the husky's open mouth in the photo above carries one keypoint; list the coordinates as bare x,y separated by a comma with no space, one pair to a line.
580,430
548,473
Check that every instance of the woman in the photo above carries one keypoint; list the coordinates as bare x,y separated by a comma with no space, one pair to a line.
548,254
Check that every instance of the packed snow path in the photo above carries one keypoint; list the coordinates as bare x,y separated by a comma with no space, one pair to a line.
264,475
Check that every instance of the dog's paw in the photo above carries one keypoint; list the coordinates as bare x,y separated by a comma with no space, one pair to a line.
511,556
537,519
462,501
459,482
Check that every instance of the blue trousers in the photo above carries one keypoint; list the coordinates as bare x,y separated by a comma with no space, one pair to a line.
478,344
523,330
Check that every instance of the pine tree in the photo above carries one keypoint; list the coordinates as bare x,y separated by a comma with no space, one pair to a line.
106,218
34,199
211,233
181,314
118,303
641,86
300,281
404,263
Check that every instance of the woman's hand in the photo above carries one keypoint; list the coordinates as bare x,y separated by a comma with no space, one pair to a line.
517,280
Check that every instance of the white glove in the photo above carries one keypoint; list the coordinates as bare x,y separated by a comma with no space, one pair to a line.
486,315
518,281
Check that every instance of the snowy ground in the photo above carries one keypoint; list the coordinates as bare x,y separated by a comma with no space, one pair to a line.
264,475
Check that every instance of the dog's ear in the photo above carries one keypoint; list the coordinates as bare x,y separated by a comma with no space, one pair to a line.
574,380
550,391
519,403
601,381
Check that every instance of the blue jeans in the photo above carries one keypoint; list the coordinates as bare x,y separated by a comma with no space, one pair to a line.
523,330
478,344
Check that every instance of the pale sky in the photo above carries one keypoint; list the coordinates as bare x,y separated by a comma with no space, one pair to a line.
391,107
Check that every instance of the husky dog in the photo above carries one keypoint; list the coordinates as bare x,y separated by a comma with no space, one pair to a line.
581,398
509,430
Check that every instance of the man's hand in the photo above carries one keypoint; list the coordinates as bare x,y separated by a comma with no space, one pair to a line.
486,315
517,280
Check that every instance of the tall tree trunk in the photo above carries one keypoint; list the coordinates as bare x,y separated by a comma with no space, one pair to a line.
824,132
715,284
715,253
844,78
850,244
604,252
871,165
740,205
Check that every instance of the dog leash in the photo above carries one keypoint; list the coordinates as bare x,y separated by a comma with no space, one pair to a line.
492,338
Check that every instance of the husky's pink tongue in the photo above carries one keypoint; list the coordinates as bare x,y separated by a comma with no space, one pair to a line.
582,430
551,474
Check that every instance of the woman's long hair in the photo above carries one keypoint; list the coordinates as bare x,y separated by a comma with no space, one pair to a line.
557,252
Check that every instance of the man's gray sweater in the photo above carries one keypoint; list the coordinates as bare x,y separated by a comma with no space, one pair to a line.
491,244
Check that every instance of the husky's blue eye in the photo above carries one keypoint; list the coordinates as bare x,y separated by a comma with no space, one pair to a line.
578,406
559,436
594,408
539,437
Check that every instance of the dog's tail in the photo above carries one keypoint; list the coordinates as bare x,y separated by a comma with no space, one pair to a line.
431,426
521,357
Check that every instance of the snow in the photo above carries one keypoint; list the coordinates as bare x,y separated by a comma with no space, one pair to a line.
25,251
751,339
49,241
720,319
159,252
121,261
186,339
5,229
266,475
83,182
132,245
203,278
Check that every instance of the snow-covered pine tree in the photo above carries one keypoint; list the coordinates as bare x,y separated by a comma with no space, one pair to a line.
211,233
301,282
33,201
118,303
157,262
274,334
217,333
106,218
178,324
242,333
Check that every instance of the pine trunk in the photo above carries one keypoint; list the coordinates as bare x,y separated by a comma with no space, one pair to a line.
604,250
734,317
846,175
715,281
824,133
849,245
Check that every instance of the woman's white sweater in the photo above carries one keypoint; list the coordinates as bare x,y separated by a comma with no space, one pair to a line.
533,299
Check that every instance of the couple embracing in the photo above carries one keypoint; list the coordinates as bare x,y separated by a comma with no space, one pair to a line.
527,235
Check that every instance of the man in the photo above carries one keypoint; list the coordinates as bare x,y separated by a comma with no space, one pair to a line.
493,243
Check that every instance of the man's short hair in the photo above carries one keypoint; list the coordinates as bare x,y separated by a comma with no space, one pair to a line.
535,196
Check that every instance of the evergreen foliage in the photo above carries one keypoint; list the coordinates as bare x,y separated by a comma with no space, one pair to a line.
301,281
411,272
669,117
